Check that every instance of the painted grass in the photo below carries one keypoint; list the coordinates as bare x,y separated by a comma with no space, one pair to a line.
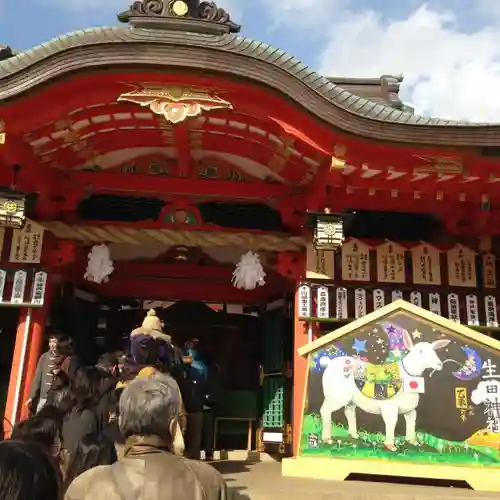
371,445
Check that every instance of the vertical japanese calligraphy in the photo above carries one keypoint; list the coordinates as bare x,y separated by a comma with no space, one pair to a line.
489,271
320,264
359,302
341,302
396,295
461,267
390,263
471,310
39,287
378,299
426,265
435,303
488,393
19,287
453,307
322,302
416,298
461,402
27,244
304,301
355,261
490,305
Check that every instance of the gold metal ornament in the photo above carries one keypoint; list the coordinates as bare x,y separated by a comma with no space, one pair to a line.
175,103
180,8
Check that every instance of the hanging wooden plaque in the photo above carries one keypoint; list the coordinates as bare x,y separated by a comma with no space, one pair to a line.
320,264
26,247
341,302
304,301
426,265
471,310
453,307
359,302
461,266
390,263
355,261
435,303
378,299
416,298
489,270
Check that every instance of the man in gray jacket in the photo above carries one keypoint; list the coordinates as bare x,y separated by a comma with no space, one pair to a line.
42,380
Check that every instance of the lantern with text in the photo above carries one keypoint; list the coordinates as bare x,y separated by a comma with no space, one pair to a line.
329,231
12,209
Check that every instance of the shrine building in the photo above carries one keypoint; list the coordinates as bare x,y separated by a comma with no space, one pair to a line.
195,160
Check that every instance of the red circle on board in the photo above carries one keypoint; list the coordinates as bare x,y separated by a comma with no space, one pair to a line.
413,384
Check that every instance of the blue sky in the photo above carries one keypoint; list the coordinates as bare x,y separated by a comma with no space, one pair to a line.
446,49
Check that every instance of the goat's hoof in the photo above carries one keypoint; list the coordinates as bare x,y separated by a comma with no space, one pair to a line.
390,447
413,442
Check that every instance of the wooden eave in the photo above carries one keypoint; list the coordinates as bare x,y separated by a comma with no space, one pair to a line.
236,57
396,306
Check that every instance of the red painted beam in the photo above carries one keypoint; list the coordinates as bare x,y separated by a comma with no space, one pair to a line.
149,289
130,270
181,141
102,182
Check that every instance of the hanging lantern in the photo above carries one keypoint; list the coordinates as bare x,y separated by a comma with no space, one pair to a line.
329,231
12,209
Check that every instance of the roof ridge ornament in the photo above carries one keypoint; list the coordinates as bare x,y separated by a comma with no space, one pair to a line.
179,15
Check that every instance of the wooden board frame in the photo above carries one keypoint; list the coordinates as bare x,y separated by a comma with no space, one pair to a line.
481,479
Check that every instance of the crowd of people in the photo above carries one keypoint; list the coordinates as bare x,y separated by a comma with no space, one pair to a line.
129,428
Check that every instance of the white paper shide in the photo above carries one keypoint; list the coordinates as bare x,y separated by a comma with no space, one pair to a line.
99,265
249,273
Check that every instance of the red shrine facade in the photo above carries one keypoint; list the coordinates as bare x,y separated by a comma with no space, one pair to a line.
172,136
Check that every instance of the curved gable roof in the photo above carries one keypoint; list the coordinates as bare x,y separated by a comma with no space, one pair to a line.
241,57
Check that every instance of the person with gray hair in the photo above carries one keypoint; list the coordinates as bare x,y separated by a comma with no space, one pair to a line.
148,419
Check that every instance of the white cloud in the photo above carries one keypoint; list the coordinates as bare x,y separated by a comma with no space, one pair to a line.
448,73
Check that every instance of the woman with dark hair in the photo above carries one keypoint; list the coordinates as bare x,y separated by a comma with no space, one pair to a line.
91,451
27,473
43,428
81,419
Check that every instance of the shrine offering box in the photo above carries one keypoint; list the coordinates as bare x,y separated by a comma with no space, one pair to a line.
401,392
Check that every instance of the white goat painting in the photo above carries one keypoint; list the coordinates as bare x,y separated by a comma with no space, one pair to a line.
341,391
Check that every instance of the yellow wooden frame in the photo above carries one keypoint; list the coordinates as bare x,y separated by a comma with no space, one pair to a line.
479,478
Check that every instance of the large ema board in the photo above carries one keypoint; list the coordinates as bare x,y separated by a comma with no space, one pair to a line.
402,392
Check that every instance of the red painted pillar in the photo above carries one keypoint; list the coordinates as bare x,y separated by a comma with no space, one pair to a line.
13,404
35,350
300,339
28,349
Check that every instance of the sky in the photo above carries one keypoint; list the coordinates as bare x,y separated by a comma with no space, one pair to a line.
447,50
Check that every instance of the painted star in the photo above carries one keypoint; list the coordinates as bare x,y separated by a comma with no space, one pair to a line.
380,341
359,345
416,334
396,353
375,330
